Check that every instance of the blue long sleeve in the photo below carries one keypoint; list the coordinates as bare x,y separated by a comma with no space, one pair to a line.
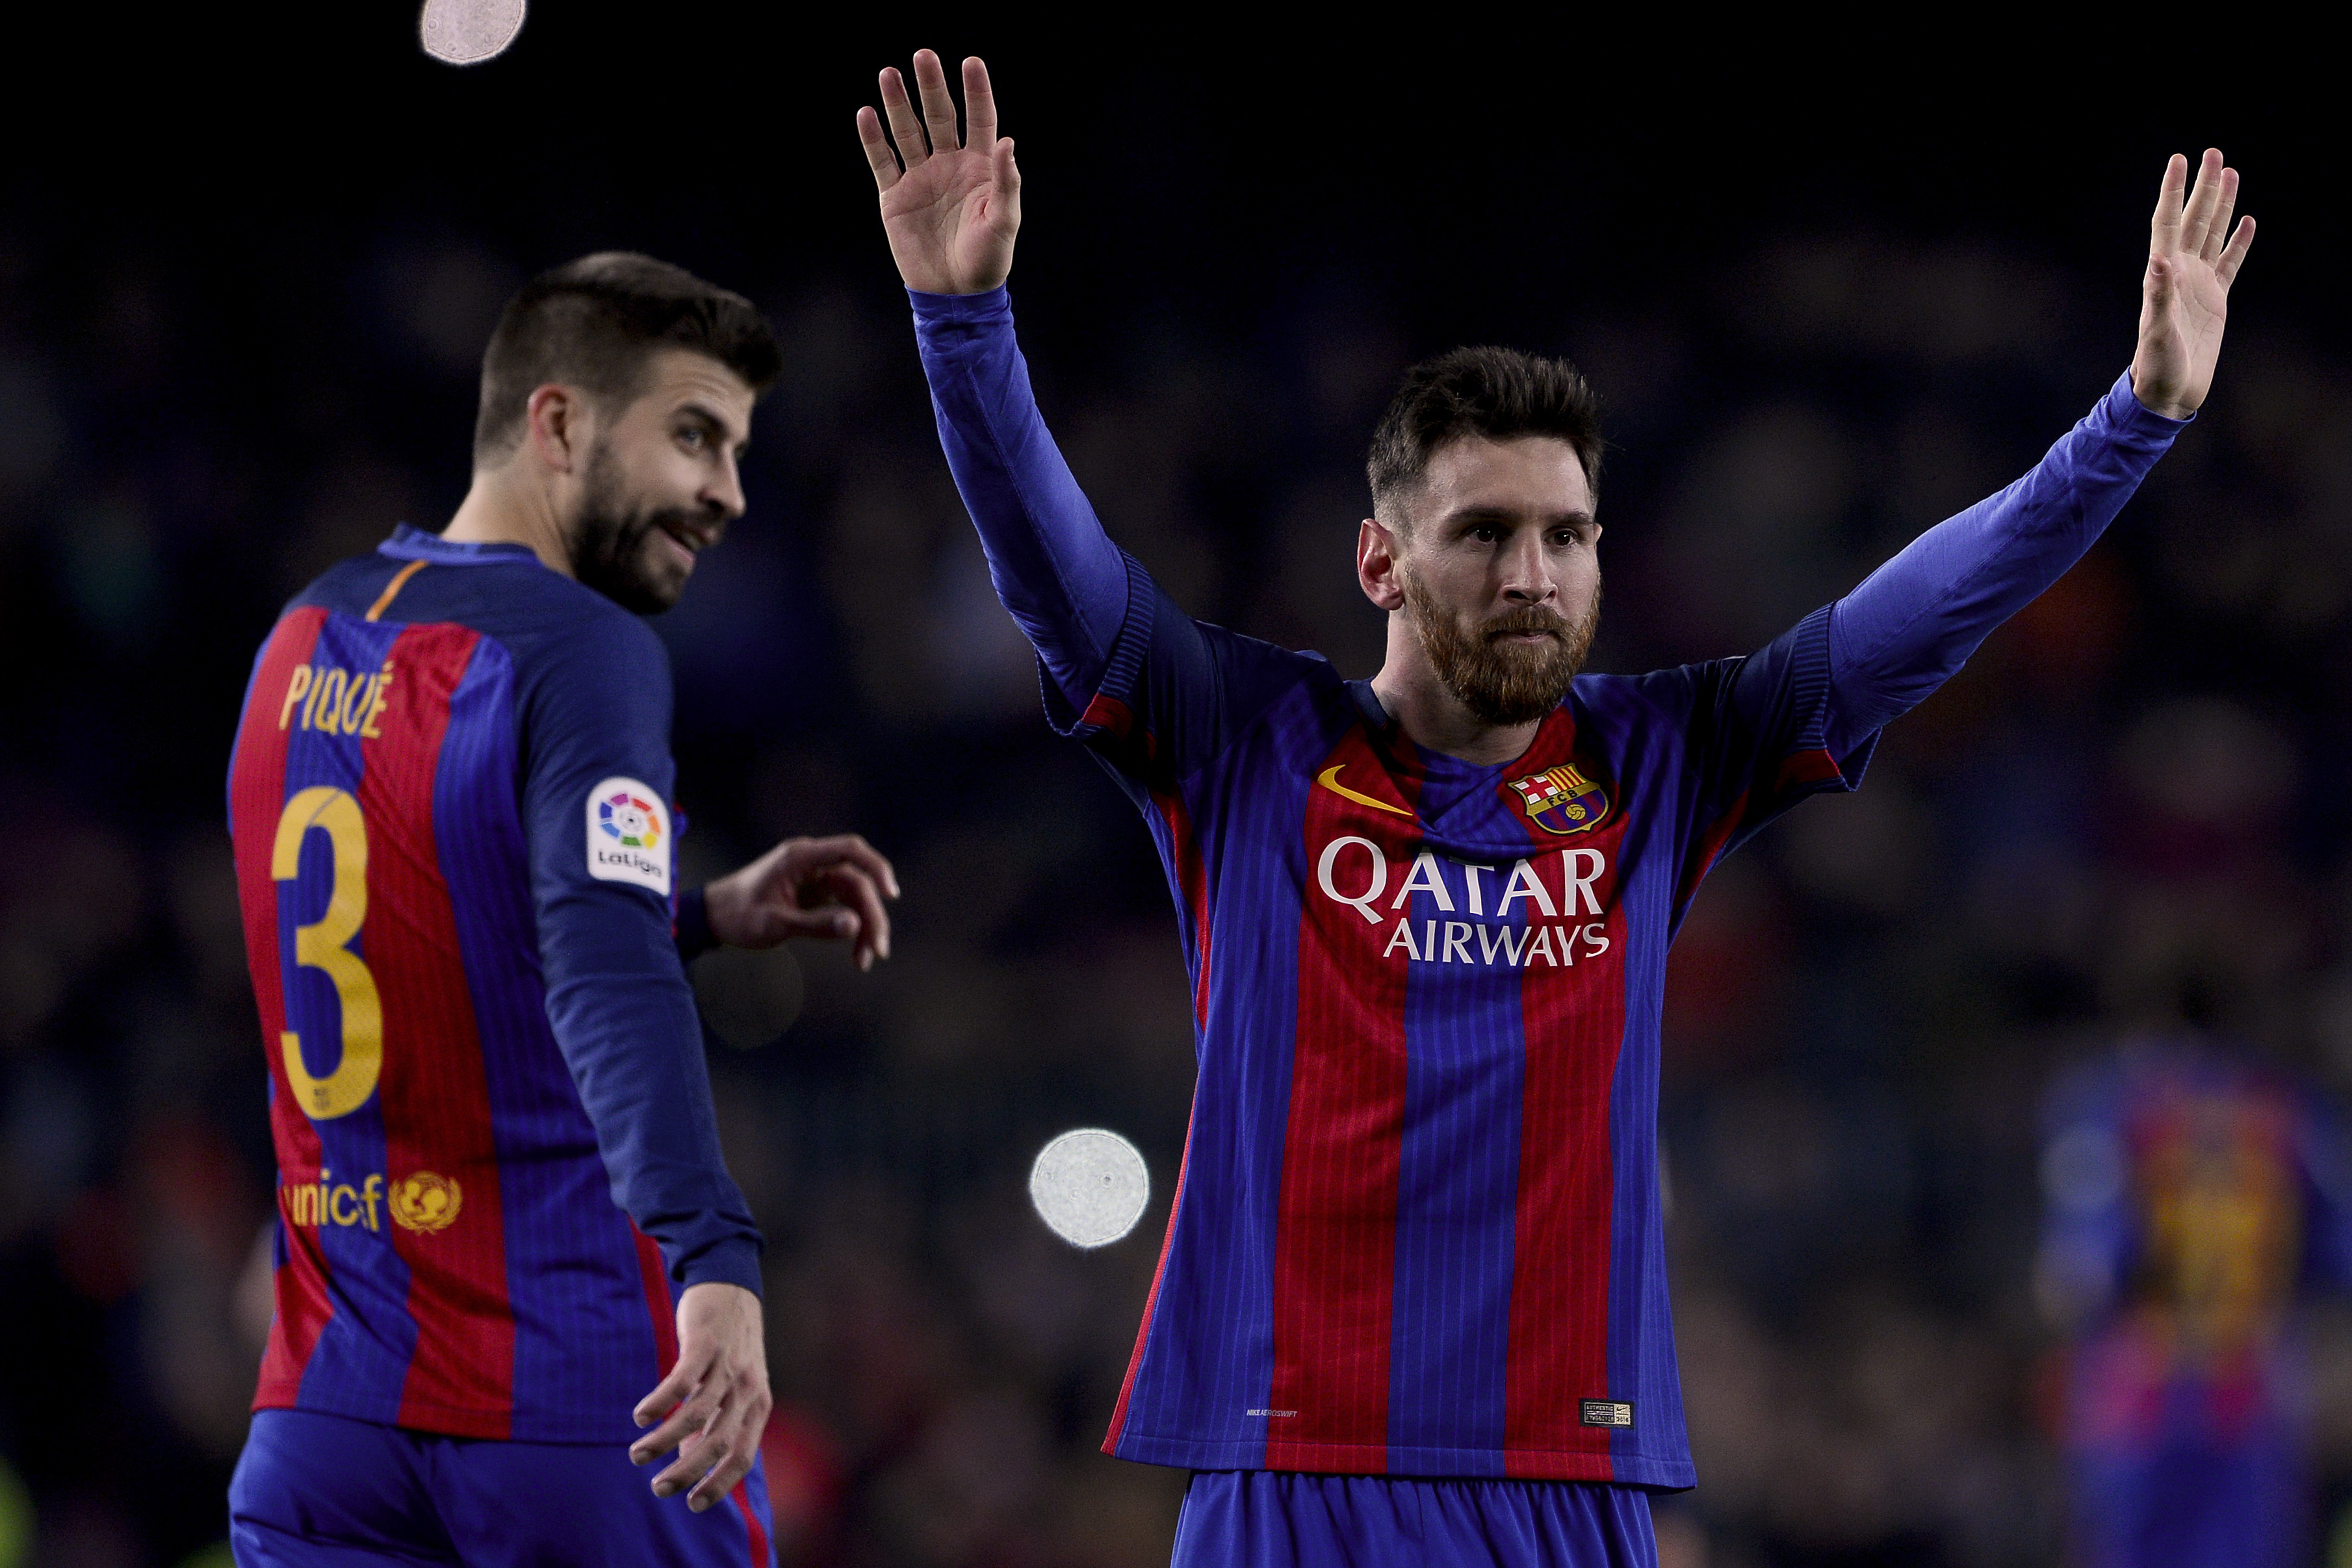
596,713
1912,622
1052,564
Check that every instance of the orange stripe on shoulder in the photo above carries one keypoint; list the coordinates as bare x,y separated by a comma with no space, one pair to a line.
392,589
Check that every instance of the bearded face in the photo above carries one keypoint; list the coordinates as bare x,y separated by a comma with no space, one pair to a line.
1507,669
632,550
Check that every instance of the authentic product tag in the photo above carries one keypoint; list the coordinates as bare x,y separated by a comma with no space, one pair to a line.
1608,1411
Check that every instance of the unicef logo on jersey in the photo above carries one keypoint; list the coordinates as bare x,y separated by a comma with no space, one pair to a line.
628,834
632,820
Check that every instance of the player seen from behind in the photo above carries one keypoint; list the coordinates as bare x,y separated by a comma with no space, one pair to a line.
504,1226
1412,1306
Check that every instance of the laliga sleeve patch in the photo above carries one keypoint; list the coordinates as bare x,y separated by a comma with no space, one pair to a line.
628,835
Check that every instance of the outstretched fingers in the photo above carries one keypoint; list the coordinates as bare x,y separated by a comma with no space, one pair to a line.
2225,201
2204,199
878,156
905,128
939,104
979,106
2234,254
2164,228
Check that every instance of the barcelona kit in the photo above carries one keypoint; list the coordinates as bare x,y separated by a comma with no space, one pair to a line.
451,804
2195,1202
1417,1232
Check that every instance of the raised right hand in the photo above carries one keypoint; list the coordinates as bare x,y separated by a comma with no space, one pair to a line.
952,212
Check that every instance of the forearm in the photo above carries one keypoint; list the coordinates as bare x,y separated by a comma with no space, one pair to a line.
626,1022
1053,566
1915,621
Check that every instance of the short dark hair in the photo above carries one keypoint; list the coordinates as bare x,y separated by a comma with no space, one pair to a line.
593,323
1498,394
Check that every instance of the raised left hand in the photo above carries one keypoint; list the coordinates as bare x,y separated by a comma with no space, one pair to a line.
807,887
951,204
2192,257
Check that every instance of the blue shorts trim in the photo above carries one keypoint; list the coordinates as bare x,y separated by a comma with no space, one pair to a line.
328,1492
1288,1518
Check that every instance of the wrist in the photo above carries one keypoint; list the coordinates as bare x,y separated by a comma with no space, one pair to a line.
722,905
2154,397
692,927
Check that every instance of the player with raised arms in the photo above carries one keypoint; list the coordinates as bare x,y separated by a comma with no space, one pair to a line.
507,1241
1412,1306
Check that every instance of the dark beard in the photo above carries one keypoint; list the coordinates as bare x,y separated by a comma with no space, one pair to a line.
611,546
1502,683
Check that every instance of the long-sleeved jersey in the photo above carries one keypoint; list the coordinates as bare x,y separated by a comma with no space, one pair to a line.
1418,1230
498,1160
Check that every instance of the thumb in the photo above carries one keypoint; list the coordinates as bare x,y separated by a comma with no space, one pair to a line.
1005,170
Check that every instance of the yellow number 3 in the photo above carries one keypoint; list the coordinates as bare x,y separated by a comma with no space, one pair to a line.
324,947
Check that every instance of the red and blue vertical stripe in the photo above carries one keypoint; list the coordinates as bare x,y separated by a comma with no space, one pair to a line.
534,1314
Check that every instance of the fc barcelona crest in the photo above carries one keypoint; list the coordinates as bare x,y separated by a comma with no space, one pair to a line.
1561,800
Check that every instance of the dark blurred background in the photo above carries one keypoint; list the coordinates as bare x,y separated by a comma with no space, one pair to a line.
248,262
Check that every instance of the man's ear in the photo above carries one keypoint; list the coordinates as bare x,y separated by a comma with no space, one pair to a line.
1378,551
556,423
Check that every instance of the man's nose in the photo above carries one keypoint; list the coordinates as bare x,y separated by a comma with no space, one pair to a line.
724,494
1527,573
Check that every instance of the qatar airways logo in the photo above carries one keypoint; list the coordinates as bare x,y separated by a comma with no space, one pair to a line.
1548,895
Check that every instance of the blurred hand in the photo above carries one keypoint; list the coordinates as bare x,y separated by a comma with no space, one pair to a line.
2192,258
807,887
952,212
716,1398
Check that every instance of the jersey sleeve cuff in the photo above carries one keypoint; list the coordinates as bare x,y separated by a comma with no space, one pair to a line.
2132,419
735,1261
692,926
958,309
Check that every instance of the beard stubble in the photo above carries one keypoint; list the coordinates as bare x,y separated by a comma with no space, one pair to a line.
1501,682
610,548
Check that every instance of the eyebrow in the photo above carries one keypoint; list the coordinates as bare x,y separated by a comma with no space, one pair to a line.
717,421
1506,515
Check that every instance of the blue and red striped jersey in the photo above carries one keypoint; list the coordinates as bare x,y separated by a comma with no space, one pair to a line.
1417,1230
498,1160
1418,1227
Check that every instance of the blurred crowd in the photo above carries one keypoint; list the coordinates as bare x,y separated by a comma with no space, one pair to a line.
2122,817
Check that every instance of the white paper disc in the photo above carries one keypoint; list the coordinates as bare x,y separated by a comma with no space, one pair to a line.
468,32
1090,1186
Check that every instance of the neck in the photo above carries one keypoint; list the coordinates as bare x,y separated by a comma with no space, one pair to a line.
499,511
1436,719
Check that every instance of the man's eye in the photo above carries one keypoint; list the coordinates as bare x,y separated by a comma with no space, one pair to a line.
691,437
1486,533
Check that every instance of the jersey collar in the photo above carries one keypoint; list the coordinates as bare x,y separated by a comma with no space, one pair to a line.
408,543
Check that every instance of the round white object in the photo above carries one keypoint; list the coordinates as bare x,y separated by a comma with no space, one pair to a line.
1090,1186
468,32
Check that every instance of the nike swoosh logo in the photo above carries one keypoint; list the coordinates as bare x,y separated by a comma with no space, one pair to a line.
1330,780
